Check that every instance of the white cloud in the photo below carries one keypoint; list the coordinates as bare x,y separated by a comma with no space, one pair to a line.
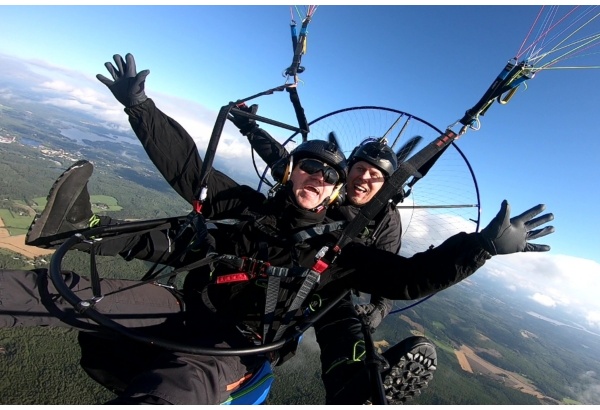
64,88
560,281
588,389
544,300
593,319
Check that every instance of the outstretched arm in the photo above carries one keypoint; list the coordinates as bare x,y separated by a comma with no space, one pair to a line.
396,277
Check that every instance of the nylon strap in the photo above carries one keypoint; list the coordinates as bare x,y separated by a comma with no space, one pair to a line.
213,143
94,275
273,286
307,285
318,230
300,116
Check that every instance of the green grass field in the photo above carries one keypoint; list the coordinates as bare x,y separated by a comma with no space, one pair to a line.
15,224
100,203
18,224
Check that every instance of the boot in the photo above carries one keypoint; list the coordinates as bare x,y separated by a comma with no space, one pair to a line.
67,211
413,362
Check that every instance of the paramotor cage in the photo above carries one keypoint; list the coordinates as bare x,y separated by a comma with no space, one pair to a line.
88,307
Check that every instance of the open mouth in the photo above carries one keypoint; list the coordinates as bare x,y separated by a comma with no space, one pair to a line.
360,189
312,189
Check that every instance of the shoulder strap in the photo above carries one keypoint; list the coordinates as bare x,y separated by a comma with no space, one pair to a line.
318,230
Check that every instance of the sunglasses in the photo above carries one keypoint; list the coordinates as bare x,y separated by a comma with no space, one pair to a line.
312,166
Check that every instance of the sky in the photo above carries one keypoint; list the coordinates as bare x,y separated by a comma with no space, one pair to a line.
434,62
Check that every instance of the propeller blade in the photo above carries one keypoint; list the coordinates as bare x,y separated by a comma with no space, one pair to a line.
333,139
409,146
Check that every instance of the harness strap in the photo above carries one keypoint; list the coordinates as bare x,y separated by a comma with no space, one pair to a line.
273,286
318,230
325,257
299,110
206,300
307,285
298,237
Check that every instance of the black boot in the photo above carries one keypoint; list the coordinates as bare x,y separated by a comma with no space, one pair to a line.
412,362
67,211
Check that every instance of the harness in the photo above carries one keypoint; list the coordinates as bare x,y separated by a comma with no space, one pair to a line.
245,269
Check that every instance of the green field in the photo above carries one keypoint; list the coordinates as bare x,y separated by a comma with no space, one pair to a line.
17,220
15,224
100,203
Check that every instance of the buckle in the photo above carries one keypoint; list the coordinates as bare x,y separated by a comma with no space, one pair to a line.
254,267
325,257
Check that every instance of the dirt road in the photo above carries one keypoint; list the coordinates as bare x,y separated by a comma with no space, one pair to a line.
17,244
469,361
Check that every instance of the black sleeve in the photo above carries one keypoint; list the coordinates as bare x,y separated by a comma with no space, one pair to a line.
174,153
169,146
384,304
390,235
269,149
389,239
395,277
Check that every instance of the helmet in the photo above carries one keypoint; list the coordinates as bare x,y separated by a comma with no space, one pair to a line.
325,151
377,154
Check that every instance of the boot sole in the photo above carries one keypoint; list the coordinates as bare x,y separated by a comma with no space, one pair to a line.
33,237
412,372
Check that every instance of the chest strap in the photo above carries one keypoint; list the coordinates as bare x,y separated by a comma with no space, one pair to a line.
325,257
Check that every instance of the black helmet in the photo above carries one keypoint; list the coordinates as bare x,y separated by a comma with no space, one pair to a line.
377,154
325,151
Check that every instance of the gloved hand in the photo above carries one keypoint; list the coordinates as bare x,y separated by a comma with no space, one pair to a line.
244,124
128,86
503,236
373,314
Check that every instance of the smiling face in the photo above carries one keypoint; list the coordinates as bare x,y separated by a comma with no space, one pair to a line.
310,190
364,181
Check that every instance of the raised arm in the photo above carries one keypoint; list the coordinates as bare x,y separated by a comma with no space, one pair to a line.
168,145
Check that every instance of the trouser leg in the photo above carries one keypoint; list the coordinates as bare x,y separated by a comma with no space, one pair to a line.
340,337
185,379
150,246
29,298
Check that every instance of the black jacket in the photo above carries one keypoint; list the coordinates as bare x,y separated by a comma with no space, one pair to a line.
383,232
358,267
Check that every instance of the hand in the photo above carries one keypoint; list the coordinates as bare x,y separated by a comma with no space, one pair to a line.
503,236
128,86
373,315
244,124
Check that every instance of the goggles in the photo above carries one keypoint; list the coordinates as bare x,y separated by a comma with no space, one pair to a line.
312,166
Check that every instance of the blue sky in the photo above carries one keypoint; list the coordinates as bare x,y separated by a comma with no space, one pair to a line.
434,62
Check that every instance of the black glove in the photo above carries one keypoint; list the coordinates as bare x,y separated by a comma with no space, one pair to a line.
128,86
373,315
503,236
245,125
